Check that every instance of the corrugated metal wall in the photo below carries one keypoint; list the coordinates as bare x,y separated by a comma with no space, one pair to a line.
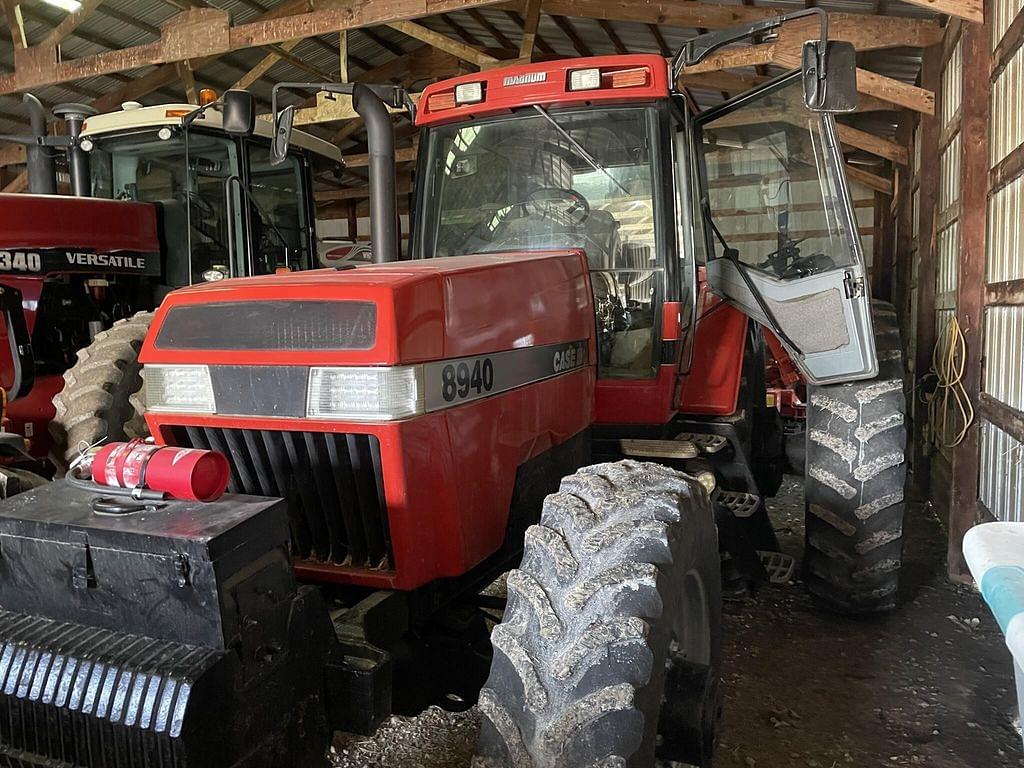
1001,480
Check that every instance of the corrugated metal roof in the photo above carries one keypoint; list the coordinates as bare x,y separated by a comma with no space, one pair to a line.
123,23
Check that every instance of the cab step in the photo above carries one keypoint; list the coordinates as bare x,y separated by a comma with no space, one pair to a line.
779,567
705,443
741,504
658,449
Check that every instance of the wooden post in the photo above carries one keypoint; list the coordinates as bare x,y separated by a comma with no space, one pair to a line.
931,79
904,213
974,160
882,258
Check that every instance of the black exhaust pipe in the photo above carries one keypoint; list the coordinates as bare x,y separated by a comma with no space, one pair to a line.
371,103
78,159
380,139
42,171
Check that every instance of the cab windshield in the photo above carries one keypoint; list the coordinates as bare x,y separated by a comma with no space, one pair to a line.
564,179
142,166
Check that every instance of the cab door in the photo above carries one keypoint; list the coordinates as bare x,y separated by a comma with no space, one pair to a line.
784,243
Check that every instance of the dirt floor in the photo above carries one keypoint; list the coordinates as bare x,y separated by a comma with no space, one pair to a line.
930,685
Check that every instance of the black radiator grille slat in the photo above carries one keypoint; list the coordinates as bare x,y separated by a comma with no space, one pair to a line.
302,474
333,484
346,489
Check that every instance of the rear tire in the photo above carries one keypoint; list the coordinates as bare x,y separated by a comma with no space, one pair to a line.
97,400
856,470
617,600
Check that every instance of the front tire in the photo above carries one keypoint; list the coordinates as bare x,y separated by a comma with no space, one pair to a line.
855,473
97,401
616,601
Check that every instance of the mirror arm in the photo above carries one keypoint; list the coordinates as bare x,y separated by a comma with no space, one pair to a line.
695,50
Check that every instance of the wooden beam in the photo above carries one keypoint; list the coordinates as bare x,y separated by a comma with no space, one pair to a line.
15,23
731,82
531,19
403,155
970,292
207,32
1004,416
1007,48
18,184
265,65
12,154
343,74
744,56
970,10
871,31
896,92
188,80
1006,294
71,22
444,43
869,180
869,142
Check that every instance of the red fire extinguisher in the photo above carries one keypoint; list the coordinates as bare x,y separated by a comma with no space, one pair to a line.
181,473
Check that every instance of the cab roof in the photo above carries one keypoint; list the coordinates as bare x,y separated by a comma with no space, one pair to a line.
545,83
134,116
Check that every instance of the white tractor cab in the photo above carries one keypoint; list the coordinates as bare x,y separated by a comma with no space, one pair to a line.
237,214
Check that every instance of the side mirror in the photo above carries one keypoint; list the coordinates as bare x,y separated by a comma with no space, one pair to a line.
830,76
282,135
239,111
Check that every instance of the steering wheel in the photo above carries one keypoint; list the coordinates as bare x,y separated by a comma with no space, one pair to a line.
804,266
542,197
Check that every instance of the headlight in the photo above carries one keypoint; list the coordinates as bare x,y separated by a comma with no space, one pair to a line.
178,388
365,393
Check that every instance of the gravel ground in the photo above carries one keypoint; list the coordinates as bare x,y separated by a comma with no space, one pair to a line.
930,685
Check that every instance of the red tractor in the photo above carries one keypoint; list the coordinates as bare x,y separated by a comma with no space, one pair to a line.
587,251
157,203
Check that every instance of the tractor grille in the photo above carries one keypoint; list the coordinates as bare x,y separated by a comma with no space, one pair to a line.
332,483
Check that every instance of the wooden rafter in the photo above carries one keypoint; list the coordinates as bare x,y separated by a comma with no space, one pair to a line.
612,35
466,36
574,37
71,22
876,31
15,23
970,10
444,43
265,65
869,180
188,80
204,32
499,37
539,42
531,19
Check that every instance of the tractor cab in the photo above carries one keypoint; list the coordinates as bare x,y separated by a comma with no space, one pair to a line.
603,154
239,215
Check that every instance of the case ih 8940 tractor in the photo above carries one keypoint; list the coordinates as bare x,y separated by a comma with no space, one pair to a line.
587,252
157,204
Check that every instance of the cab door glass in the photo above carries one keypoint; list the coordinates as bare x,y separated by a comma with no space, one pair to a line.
769,192
278,212
787,251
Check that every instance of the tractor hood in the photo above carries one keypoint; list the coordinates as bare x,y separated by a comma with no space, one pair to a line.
49,234
388,314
